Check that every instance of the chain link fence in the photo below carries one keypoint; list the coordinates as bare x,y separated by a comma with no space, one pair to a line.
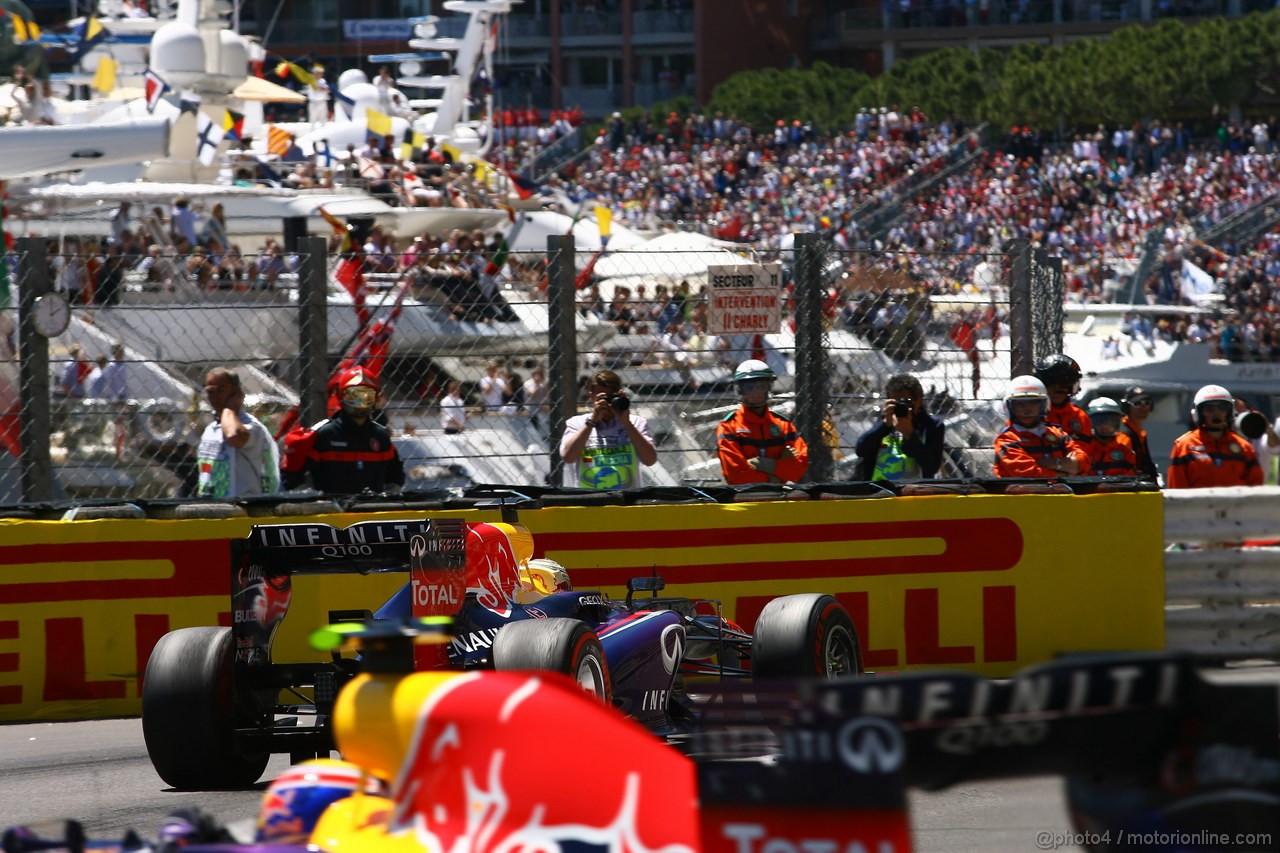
113,406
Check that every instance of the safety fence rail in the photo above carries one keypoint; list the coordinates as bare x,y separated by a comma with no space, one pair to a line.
511,325
306,502
1222,570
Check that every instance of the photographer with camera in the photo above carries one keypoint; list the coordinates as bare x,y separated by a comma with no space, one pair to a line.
907,442
605,448
754,444
1262,434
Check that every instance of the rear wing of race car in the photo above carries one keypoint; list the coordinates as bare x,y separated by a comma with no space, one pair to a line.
1145,740
273,550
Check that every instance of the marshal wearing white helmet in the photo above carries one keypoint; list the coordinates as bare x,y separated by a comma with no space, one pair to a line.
1029,446
1211,454
754,444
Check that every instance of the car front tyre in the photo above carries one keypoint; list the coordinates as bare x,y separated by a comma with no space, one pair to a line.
805,636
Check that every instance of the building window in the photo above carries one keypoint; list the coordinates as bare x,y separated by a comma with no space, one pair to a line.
399,8
599,71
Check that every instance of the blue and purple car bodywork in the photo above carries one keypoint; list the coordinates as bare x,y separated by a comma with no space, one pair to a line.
216,703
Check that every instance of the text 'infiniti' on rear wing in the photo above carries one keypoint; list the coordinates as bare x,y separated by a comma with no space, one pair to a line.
364,547
1125,713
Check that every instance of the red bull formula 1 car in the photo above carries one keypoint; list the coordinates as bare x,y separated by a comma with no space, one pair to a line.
1157,758
216,704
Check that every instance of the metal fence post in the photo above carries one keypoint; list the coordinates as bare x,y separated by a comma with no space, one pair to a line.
1021,342
34,420
812,374
1047,312
562,344
313,329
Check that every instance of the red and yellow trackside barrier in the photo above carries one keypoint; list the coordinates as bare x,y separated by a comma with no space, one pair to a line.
989,583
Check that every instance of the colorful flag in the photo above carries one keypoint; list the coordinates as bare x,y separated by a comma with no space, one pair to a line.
1196,284
453,154
154,87
286,69
350,274
482,169
208,135
104,78
269,174
339,228
88,34
604,222
278,141
188,102
525,188
23,30
379,124
233,125
322,150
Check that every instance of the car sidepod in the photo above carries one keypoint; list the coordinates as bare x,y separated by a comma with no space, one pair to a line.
644,650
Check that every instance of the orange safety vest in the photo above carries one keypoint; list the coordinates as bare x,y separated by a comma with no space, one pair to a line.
744,435
1112,456
1075,421
1020,452
1199,460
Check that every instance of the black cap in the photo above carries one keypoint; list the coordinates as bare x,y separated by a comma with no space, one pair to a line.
1134,393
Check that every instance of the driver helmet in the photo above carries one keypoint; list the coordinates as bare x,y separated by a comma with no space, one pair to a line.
544,577
1211,397
1059,369
1027,387
294,802
752,376
358,392
1105,413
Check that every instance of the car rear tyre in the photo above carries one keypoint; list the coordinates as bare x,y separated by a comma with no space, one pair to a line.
555,645
188,712
805,636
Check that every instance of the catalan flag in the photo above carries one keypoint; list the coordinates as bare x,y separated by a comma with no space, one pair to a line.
278,141
233,125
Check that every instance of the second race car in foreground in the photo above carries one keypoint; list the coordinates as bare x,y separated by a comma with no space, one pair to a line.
1158,757
216,704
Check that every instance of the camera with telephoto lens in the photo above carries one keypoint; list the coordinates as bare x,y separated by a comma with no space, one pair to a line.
1251,425
620,402
903,408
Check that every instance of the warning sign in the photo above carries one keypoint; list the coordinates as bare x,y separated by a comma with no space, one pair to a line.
744,299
